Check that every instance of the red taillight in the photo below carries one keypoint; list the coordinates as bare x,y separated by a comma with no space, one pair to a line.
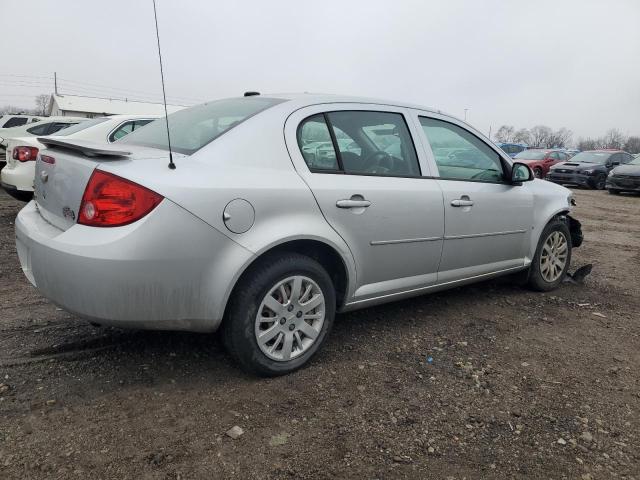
25,154
112,201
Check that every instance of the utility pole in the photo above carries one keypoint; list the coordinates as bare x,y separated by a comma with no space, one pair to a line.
465,114
55,83
489,132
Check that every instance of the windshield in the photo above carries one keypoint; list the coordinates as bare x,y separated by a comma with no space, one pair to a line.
531,155
194,127
81,126
592,157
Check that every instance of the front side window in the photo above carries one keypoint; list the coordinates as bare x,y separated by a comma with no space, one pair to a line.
359,143
459,154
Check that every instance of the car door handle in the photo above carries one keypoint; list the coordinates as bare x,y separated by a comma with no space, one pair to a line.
353,203
461,203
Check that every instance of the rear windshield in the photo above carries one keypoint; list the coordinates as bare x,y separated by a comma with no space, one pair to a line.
591,157
531,155
193,128
78,127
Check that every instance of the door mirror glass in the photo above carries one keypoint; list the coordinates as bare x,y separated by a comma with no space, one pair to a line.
521,173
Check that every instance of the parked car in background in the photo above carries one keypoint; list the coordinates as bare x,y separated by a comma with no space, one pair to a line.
9,120
589,168
625,178
17,176
540,160
253,233
571,152
512,149
47,126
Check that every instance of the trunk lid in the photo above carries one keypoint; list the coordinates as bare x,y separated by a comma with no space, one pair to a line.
61,178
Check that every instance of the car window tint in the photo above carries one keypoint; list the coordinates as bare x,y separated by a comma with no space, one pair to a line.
54,127
39,129
140,123
315,144
459,154
15,122
374,143
122,131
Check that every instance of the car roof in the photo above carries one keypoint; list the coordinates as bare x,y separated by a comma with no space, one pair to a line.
303,99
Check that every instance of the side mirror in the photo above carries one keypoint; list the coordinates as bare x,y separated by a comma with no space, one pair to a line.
521,173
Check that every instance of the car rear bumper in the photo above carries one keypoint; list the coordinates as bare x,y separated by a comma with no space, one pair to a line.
168,271
627,184
570,178
19,175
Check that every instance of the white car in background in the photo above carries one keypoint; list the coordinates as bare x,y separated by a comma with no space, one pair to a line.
17,176
9,120
44,127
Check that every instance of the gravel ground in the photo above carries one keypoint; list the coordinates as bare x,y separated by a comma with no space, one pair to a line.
521,384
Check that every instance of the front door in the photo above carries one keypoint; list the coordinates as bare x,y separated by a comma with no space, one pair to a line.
365,173
488,221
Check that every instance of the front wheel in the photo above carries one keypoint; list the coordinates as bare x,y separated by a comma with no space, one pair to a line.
537,172
600,181
280,314
552,258
614,192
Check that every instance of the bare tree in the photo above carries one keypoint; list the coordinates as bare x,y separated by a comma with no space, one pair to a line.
42,102
558,139
613,139
539,136
588,144
505,134
522,136
632,145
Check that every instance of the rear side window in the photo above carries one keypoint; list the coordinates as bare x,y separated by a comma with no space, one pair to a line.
194,127
15,122
53,128
459,154
39,129
359,142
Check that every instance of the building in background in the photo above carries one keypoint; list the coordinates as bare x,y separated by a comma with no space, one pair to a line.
78,106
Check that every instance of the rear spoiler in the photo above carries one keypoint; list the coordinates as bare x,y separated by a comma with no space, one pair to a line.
88,148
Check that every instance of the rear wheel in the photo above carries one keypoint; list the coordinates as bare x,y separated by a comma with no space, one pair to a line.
614,192
280,314
552,258
600,181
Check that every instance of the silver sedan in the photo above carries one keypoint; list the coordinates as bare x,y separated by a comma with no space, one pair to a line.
281,211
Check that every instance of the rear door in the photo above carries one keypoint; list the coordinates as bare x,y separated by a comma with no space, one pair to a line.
366,174
487,220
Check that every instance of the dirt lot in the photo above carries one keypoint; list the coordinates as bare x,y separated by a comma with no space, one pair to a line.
521,385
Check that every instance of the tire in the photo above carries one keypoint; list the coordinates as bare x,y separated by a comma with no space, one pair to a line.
614,192
600,181
240,328
538,279
20,195
537,172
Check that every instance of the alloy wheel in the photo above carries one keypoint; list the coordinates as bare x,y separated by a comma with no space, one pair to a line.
553,258
290,318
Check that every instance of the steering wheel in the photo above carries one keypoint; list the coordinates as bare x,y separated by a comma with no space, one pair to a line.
381,162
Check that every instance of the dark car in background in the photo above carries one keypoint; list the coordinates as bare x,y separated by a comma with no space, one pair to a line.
588,169
625,178
540,160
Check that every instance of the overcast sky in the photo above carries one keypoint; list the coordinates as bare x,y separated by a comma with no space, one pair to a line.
572,63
